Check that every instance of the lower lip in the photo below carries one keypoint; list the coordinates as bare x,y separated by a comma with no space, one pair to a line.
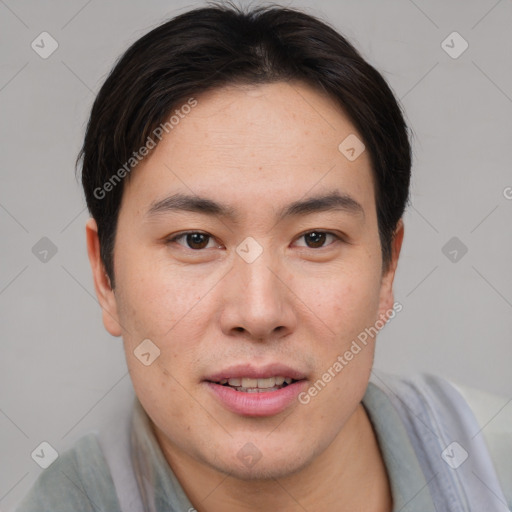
265,403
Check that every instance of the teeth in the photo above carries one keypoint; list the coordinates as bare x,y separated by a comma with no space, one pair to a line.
257,390
267,383
249,383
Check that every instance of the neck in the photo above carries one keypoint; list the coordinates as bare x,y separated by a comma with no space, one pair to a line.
349,475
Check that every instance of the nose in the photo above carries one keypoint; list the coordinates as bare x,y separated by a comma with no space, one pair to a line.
257,300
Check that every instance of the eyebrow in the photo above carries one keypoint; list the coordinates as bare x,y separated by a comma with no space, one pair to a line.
320,203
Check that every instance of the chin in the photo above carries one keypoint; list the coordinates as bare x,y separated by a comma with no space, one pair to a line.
267,467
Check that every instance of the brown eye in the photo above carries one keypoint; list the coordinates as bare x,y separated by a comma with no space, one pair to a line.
316,239
194,240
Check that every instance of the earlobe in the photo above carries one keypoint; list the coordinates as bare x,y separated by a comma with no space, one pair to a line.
102,285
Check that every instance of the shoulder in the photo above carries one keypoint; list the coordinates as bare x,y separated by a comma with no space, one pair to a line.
78,480
493,414
466,424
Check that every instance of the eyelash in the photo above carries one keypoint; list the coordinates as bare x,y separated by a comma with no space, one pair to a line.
174,239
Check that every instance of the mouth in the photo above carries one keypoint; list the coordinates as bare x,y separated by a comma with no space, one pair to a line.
251,385
250,391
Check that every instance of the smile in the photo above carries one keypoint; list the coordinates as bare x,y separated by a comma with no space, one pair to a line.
250,385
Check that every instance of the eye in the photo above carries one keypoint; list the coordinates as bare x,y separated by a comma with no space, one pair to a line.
195,239
318,237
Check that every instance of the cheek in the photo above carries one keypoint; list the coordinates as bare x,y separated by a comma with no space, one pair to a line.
349,303
157,304
345,358
156,298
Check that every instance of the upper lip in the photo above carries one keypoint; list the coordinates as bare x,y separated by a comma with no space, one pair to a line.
252,372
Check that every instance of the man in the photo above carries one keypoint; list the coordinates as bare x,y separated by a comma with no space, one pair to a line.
247,173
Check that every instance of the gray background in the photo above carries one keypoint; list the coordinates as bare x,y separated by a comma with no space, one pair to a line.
62,374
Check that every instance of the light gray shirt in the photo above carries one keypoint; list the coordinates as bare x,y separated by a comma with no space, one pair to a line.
112,473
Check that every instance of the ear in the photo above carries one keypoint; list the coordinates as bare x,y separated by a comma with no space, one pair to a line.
104,292
386,291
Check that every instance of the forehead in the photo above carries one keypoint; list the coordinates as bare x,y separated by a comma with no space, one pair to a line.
281,140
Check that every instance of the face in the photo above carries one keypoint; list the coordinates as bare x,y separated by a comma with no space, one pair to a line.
264,281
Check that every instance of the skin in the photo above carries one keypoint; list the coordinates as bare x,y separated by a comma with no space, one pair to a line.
301,302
